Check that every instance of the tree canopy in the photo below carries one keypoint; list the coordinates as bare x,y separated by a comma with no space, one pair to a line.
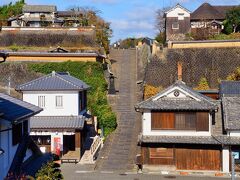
6,11
232,22
91,17
235,76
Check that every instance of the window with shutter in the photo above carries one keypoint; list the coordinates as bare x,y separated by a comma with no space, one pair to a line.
202,121
197,121
162,120
41,101
59,101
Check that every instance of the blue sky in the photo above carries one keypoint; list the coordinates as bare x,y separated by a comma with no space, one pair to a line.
129,18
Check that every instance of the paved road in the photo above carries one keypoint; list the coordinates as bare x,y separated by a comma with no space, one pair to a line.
72,171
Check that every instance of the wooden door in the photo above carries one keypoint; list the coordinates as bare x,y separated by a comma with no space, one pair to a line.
198,159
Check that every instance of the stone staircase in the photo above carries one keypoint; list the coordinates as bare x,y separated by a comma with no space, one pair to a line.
120,148
90,155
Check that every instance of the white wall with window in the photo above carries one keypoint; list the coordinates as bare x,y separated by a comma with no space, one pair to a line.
41,101
59,101
178,12
54,103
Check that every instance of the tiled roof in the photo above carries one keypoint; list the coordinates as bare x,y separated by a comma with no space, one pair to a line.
227,140
47,122
52,82
207,11
16,110
39,8
179,139
188,103
224,9
230,88
69,13
231,111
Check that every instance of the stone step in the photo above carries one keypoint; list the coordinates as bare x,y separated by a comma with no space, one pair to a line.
120,151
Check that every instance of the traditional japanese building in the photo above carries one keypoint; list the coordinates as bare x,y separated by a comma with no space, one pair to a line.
185,130
59,128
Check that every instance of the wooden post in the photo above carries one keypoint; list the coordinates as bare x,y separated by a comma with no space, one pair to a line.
77,139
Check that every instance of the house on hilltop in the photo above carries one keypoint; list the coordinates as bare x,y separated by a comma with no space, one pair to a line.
177,22
60,127
180,21
185,130
35,16
211,17
45,15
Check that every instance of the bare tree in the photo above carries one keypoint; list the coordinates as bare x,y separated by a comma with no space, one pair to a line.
160,19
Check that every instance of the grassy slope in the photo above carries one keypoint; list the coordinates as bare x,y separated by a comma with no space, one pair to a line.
92,74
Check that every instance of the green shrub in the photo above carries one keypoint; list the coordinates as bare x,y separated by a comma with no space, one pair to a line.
92,74
203,84
49,171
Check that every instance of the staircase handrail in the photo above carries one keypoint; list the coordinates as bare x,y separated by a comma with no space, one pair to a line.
95,145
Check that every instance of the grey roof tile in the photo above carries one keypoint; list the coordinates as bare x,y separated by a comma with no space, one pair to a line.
180,139
227,140
47,122
52,82
15,110
39,8
188,103
231,107
230,88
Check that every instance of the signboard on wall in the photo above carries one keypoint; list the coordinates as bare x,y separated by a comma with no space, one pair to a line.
57,145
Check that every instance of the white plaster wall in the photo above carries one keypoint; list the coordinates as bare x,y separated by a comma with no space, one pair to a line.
225,159
6,145
170,94
47,133
234,133
26,15
147,131
176,11
70,102
14,24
